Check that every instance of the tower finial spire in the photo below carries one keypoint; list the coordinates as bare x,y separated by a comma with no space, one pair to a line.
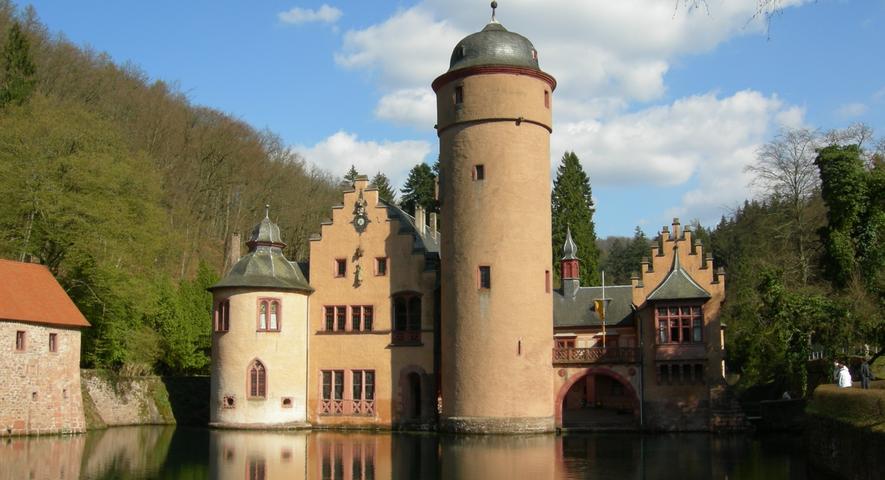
494,6
266,210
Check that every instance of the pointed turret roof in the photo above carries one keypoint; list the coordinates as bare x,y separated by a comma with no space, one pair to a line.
678,285
569,249
265,266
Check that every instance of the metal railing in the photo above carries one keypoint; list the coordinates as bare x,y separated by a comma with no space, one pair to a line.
571,356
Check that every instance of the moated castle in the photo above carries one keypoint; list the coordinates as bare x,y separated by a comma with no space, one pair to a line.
395,323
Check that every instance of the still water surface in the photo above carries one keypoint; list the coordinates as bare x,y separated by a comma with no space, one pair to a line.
191,454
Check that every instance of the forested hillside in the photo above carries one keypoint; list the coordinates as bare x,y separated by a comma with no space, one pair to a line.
127,192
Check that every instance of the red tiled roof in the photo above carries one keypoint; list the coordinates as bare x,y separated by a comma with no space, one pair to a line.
29,293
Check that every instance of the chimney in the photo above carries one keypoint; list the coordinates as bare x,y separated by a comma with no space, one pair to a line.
433,222
420,220
232,255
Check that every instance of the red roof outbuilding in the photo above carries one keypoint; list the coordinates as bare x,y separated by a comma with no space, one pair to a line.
29,293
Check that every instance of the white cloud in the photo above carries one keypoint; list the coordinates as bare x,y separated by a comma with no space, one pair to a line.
851,110
298,15
619,51
410,106
704,140
341,150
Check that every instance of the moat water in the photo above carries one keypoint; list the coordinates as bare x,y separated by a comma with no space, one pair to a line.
191,453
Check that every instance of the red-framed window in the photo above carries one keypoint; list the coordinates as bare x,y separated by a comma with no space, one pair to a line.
53,342
679,323
361,318
565,342
269,314
340,267
484,277
381,266
257,380
363,385
335,318
20,343
222,316
333,384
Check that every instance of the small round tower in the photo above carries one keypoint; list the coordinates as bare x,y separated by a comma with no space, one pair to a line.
259,339
494,124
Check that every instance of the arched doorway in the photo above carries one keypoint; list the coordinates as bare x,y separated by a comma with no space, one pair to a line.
598,399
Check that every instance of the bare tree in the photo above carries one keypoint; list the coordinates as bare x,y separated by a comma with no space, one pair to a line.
785,170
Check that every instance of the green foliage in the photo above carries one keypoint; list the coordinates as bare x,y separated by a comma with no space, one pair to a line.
385,191
624,258
854,238
419,189
573,208
183,319
127,192
844,191
19,74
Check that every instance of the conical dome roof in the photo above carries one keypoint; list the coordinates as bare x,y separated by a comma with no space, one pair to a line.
265,266
494,45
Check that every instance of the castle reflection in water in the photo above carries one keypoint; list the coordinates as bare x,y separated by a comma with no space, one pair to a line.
170,453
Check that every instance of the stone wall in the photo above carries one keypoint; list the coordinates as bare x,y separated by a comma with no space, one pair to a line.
127,401
41,388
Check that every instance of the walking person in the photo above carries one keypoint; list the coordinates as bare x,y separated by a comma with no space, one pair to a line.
865,374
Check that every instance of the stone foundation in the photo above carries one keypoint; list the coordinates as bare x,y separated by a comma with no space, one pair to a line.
497,425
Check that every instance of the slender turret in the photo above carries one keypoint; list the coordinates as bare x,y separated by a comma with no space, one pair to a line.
494,124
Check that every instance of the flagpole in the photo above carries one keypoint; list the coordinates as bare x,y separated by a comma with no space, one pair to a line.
603,309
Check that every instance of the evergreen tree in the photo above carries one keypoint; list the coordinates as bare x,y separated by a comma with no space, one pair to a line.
19,75
351,175
419,189
385,191
573,208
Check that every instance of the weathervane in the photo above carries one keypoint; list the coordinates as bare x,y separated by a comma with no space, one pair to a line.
266,210
494,6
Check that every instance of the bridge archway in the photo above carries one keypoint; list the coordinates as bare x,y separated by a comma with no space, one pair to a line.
597,398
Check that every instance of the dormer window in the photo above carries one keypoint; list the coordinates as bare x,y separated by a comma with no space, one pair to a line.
534,54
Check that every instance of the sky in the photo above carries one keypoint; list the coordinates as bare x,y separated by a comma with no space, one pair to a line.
665,105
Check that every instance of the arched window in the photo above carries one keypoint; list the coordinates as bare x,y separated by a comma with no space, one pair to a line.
274,312
407,318
262,316
257,380
269,314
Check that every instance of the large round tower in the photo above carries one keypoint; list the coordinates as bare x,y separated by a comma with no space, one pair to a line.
259,339
494,123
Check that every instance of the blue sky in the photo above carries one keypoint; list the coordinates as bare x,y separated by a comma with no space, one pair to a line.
665,107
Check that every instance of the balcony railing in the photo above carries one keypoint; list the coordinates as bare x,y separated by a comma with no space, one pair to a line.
578,356
341,408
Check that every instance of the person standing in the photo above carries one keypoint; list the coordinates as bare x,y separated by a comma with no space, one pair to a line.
844,377
865,374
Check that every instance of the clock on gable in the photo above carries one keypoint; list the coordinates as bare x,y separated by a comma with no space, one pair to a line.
360,217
